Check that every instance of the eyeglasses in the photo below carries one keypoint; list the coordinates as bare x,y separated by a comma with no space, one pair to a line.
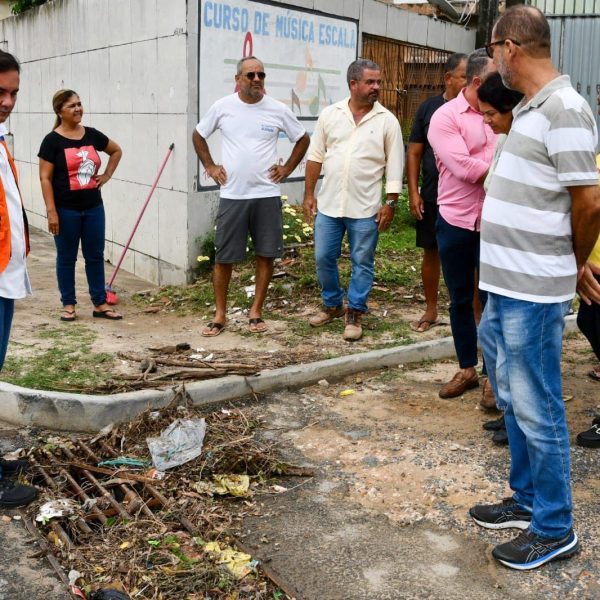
260,74
489,48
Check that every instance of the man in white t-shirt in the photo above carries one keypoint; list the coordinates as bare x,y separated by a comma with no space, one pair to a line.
250,122
14,281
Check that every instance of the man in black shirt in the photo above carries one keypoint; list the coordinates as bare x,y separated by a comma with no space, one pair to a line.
423,202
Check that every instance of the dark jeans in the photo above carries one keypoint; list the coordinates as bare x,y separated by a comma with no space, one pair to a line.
459,255
7,307
87,226
588,321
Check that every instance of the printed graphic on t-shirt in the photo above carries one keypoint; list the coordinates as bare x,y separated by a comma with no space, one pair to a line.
82,165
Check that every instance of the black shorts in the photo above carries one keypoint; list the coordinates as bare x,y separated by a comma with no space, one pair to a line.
259,217
426,227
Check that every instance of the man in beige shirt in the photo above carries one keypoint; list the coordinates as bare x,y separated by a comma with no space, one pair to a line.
355,142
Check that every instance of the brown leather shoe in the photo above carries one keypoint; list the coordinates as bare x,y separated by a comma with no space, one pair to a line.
353,329
326,315
458,385
488,400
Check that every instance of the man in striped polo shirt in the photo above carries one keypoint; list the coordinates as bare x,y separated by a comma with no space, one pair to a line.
540,220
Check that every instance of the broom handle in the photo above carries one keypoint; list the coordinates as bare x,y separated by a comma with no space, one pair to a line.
162,167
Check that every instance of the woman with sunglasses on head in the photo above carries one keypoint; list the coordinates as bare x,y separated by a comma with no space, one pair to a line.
69,165
496,103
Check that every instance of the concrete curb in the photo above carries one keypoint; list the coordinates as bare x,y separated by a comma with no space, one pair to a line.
86,412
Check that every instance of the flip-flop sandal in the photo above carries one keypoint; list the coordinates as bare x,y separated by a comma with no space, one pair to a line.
593,374
103,314
257,325
416,325
68,315
212,329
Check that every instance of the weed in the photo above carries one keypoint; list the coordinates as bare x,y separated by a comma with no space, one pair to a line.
68,365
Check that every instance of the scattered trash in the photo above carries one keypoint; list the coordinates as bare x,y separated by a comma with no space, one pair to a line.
56,508
323,383
250,290
73,577
347,393
155,474
179,443
124,461
236,485
209,357
279,489
239,564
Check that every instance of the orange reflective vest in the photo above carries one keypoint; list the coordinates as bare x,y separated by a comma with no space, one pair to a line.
5,249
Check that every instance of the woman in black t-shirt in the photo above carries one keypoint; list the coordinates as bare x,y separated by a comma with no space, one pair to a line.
69,164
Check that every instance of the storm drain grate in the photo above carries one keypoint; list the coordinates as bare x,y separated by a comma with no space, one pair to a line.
118,508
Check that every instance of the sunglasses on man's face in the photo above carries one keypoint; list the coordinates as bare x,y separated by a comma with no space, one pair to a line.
260,74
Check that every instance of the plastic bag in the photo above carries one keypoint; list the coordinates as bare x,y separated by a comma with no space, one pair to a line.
179,443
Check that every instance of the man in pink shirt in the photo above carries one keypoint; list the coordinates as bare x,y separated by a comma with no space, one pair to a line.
463,146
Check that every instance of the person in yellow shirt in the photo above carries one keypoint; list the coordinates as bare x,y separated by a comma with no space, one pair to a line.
588,321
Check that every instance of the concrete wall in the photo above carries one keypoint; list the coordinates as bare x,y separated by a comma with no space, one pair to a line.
135,66
127,60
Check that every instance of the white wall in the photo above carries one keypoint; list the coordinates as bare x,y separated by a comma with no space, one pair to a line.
128,61
135,66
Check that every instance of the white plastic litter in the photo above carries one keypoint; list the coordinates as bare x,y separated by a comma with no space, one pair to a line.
179,443
56,508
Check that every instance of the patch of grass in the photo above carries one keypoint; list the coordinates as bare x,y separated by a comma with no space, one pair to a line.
69,365
397,273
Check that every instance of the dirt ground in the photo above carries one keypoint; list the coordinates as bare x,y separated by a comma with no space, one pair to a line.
140,330
396,469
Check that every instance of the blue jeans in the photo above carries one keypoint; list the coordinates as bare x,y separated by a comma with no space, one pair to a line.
522,344
459,255
86,226
7,307
362,238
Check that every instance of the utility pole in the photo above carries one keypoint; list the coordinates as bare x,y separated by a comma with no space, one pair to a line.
488,11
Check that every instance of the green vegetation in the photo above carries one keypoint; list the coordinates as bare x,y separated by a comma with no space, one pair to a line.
396,268
67,365
19,6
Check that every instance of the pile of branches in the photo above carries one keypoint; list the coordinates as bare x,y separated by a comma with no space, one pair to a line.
164,366
159,554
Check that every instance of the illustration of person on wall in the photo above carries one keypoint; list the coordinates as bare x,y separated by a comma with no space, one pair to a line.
250,122
69,165
14,280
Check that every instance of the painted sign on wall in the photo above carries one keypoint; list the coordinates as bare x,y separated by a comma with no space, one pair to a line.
305,54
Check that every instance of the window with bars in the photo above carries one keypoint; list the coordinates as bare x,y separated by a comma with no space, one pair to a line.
410,74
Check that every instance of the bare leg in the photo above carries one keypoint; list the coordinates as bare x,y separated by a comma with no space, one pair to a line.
221,278
264,272
430,273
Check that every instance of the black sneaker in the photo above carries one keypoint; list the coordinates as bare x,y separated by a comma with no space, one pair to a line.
500,437
591,437
504,515
15,494
529,551
13,467
494,425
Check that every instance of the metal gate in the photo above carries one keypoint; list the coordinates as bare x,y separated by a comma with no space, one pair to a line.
410,74
575,31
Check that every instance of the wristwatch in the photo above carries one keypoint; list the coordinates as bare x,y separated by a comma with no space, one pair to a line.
391,203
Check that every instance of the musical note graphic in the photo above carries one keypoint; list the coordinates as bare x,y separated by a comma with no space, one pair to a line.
315,103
